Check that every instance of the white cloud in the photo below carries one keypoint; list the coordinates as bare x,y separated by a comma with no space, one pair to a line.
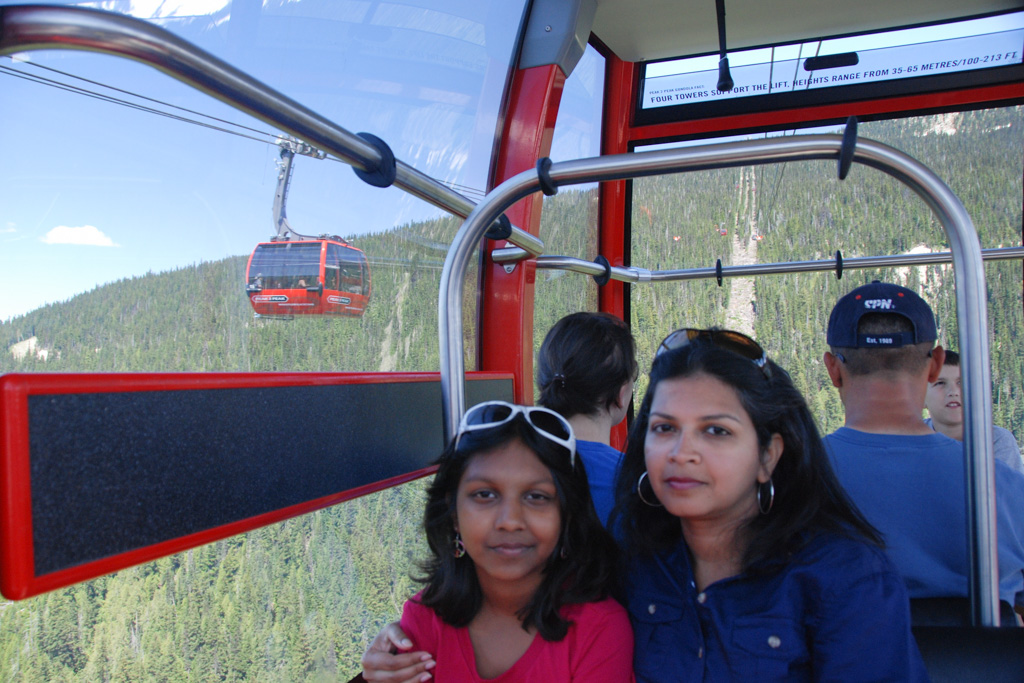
9,227
86,234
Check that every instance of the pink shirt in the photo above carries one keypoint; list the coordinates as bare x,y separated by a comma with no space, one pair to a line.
598,647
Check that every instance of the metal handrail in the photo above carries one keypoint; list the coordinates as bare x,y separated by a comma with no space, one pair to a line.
32,27
632,275
968,274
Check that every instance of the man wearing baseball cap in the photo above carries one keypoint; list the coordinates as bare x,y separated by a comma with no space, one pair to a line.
907,480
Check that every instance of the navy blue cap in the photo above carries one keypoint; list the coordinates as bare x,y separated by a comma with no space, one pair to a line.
880,297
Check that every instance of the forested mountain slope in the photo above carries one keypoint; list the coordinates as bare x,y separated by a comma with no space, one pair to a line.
298,601
801,211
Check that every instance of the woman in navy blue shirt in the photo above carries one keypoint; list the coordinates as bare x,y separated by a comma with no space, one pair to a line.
746,561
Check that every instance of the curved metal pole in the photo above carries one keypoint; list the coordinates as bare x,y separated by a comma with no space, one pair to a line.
614,167
972,321
630,274
33,27
449,307
967,266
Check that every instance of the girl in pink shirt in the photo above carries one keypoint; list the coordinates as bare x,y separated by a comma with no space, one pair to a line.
517,587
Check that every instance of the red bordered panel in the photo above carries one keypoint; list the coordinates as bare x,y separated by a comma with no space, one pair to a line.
99,472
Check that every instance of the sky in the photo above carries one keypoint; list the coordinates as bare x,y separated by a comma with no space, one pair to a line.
92,192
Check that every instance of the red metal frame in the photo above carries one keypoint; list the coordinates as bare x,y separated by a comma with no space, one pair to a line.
830,112
17,565
619,94
506,305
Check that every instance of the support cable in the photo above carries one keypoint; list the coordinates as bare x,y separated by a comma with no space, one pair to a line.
144,97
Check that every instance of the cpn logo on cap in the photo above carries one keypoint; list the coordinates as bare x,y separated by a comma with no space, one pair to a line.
883,298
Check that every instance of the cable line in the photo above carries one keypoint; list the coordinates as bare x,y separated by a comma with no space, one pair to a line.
144,97
464,188
114,100
67,87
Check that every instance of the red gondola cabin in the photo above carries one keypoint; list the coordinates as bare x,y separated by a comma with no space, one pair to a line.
326,276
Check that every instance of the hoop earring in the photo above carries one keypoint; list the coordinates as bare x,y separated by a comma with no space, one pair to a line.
460,547
765,509
640,492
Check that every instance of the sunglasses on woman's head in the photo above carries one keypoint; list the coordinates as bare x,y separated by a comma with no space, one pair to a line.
737,342
546,423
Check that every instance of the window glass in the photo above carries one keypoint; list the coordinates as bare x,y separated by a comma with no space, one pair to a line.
131,185
354,276
129,218
332,268
569,222
296,601
801,211
283,264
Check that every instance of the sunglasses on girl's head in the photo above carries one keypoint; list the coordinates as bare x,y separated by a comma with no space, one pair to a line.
546,423
737,342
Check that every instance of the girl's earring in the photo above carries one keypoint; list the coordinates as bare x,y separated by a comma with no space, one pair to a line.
460,547
640,491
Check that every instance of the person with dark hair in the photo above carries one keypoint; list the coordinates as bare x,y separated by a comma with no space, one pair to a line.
946,413
517,584
586,368
746,560
907,479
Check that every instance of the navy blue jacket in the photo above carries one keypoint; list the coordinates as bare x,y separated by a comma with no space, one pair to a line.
836,611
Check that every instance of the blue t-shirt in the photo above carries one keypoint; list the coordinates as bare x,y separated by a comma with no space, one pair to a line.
602,464
837,610
911,488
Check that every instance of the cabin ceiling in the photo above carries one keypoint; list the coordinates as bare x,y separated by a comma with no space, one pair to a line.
644,30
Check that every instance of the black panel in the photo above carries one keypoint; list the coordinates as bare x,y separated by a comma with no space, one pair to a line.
112,472
953,655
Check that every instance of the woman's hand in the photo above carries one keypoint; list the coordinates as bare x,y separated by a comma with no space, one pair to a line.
383,662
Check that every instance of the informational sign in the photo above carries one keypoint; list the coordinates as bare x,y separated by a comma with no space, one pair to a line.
908,53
